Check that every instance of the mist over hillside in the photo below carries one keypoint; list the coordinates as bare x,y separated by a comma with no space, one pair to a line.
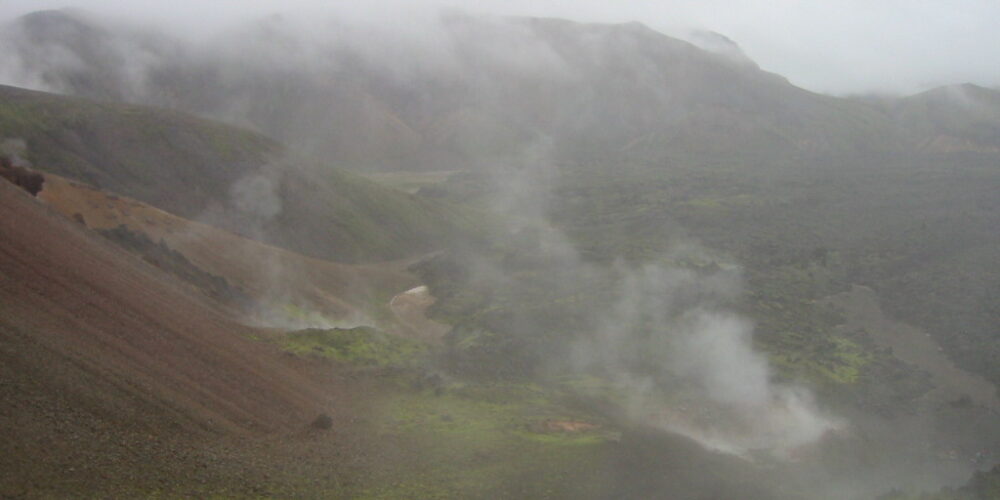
526,257
459,89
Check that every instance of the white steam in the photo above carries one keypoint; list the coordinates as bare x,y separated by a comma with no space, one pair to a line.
15,149
677,356
685,365
286,297
256,196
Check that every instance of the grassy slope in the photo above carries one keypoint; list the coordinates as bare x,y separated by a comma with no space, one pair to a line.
145,153
190,166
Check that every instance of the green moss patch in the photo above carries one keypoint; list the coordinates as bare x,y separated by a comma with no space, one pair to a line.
362,345
485,441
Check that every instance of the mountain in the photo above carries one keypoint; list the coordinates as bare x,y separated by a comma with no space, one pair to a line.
692,255
570,90
952,118
232,178
619,108
465,91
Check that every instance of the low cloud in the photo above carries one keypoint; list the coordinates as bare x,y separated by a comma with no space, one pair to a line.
844,47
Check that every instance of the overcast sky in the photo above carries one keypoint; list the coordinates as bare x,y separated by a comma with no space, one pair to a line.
832,46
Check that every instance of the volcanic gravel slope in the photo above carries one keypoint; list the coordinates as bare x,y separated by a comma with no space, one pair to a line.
271,276
103,357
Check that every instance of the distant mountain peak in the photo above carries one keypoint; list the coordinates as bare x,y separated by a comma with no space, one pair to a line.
52,19
720,44
966,95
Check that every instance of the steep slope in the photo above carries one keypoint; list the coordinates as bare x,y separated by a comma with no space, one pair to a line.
99,328
112,373
285,287
231,178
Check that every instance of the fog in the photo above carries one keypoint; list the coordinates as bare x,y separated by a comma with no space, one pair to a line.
680,358
847,47
731,403
528,113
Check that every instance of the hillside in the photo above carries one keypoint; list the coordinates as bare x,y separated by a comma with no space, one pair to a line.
571,90
99,349
953,118
573,260
231,178
277,286
121,381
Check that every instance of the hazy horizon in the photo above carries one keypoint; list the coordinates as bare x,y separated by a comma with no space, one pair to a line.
845,48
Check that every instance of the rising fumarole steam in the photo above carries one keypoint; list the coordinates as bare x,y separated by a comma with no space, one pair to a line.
685,365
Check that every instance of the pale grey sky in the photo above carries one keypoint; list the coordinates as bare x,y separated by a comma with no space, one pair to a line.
832,46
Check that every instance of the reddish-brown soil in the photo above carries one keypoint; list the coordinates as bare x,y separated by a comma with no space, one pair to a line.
564,426
113,373
274,276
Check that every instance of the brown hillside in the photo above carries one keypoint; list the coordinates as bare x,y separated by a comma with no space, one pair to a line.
119,381
90,331
278,280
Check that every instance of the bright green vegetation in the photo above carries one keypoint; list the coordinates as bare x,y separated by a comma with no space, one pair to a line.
486,441
433,435
842,364
516,440
362,346
449,439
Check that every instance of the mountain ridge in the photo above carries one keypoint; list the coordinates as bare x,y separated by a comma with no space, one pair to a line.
584,88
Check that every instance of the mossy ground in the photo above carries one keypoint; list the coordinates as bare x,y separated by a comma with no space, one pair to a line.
362,345
440,438
484,441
